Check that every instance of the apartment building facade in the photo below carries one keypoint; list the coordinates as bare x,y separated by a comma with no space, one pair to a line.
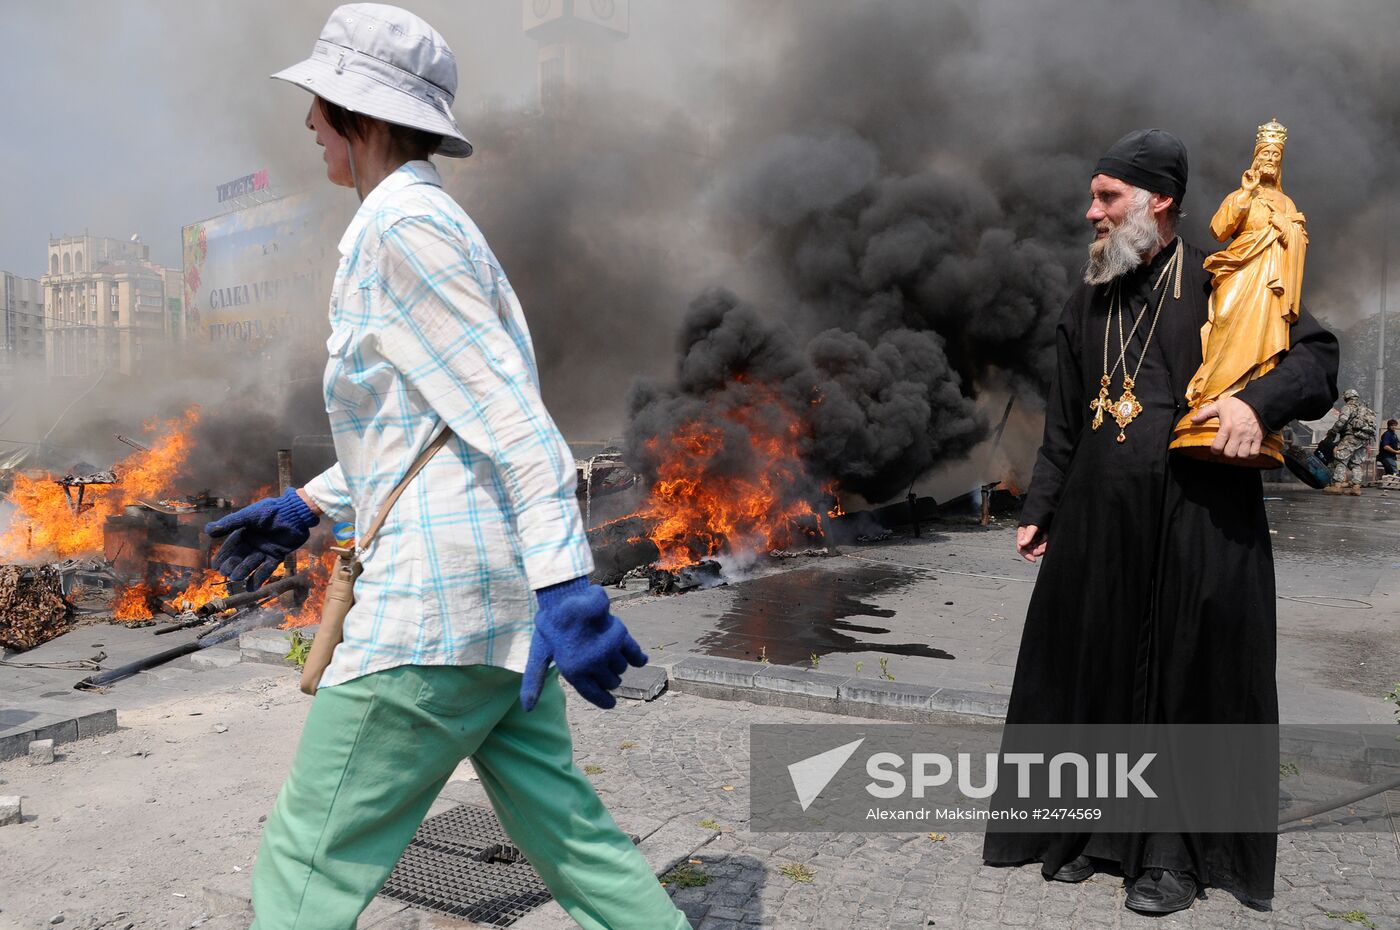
106,306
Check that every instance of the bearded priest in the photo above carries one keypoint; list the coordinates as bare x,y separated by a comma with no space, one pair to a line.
1155,598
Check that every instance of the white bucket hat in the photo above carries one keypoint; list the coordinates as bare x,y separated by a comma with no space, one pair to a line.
384,62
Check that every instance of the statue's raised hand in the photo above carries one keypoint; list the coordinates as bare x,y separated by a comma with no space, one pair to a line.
1249,181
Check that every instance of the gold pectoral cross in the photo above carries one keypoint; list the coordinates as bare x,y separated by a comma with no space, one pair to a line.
1101,403
1126,408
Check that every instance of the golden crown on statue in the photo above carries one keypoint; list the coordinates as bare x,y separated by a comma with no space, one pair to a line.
1271,133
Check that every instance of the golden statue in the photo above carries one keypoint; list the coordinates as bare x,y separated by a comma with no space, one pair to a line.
1255,285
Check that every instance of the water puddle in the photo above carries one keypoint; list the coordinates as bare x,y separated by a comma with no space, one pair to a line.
790,617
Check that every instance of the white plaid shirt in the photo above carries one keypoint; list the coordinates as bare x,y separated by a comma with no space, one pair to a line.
427,331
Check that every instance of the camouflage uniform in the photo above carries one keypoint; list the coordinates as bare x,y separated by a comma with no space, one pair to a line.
1354,429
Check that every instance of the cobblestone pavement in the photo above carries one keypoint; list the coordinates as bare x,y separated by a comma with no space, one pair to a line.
683,755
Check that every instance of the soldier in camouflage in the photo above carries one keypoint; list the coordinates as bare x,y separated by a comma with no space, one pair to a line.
1353,431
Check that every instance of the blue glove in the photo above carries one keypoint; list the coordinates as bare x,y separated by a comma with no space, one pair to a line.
260,536
591,647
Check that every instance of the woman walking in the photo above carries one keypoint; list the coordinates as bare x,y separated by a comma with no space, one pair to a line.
476,581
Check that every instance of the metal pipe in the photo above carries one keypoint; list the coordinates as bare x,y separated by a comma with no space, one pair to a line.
181,624
284,481
226,630
111,676
266,592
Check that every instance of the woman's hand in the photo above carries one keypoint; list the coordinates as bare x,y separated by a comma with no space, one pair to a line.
576,631
258,537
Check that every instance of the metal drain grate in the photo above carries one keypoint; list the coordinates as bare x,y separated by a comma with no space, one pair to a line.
462,864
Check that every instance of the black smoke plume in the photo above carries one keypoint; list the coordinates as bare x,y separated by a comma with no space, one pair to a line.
909,182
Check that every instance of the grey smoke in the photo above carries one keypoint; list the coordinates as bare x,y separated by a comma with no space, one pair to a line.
894,189
914,177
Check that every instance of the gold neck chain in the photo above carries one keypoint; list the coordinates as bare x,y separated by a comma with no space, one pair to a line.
1126,408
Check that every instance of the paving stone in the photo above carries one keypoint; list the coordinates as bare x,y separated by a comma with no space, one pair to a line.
41,752
798,681
15,744
548,916
887,693
11,810
716,671
974,703
170,673
97,723
688,750
63,731
268,646
675,841
216,658
642,684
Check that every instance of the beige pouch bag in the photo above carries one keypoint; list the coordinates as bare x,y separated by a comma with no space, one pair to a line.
340,591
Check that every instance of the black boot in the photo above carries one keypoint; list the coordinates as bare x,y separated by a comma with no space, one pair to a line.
1075,870
1162,891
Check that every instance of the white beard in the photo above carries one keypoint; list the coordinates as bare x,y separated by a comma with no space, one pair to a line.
1123,248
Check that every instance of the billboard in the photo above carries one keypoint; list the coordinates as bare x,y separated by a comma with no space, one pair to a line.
262,273
238,187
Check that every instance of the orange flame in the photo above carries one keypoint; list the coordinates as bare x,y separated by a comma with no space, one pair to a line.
310,611
200,591
700,511
133,604
44,524
835,494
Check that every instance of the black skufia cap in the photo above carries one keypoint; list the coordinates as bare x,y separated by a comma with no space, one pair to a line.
1152,159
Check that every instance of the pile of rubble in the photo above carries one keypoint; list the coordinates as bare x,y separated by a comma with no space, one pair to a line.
32,607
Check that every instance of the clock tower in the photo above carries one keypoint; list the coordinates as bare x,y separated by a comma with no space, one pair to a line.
573,37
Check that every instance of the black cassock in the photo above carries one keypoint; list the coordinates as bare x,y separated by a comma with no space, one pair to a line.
1155,597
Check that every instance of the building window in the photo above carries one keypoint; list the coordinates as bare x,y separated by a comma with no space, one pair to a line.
53,265
67,264
78,262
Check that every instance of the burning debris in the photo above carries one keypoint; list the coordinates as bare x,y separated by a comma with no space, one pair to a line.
706,574
32,608
131,550
310,600
46,525
734,482
79,484
749,450
149,540
245,616
620,547
810,553
602,475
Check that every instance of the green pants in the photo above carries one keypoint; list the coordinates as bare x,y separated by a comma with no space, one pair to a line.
373,756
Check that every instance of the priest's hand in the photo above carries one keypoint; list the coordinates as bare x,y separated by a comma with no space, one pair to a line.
1030,542
1240,433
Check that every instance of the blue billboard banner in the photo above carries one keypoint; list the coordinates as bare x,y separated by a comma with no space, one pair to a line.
259,274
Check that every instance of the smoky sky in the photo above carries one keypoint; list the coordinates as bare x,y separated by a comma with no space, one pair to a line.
893,190
914,183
